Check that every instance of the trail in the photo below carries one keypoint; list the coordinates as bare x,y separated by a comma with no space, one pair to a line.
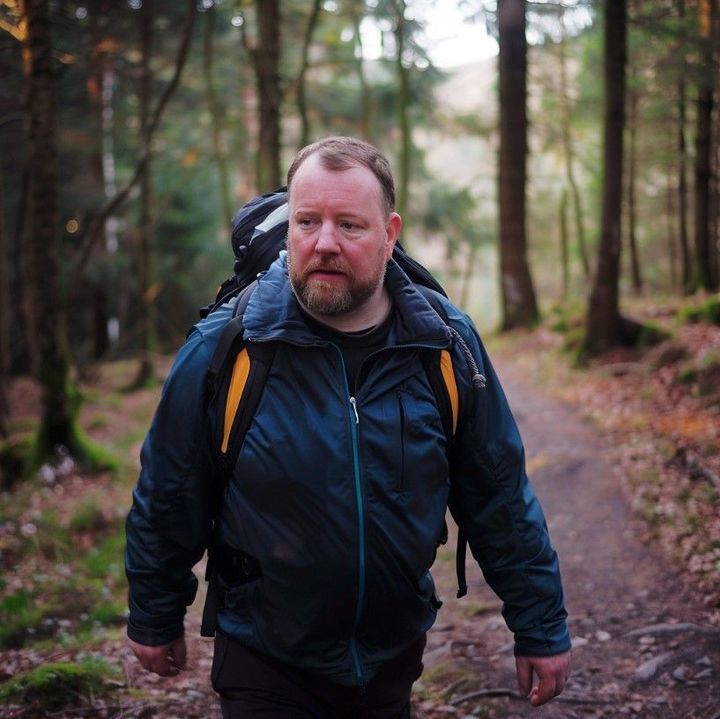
641,647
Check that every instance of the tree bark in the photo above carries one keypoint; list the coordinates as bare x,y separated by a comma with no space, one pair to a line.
302,75
633,101
57,422
216,119
519,306
705,253
682,189
365,104
403,104
604,323
5,326
570,155
564,253
266,61
145,259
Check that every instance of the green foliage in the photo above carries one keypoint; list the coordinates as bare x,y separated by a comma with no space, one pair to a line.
105,560
68,611
57,685
707,311
88,517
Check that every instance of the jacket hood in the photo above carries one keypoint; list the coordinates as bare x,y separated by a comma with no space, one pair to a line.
273,312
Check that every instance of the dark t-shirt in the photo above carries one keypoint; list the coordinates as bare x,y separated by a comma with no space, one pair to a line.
356,347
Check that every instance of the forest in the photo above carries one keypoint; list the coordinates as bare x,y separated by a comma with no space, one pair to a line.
562,184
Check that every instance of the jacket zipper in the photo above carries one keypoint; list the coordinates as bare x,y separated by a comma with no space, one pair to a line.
354,419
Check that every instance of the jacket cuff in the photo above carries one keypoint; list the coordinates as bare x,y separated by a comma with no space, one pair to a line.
554,642
154,637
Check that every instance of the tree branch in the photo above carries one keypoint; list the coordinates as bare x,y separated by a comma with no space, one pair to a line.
105,212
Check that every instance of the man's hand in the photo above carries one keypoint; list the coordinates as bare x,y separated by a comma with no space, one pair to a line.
552,673
166,660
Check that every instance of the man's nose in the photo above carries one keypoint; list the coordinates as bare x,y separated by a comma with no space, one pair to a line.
327,241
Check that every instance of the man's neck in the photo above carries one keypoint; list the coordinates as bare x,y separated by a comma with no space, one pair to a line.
372,313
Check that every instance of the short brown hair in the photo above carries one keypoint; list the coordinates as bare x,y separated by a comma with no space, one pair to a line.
342,153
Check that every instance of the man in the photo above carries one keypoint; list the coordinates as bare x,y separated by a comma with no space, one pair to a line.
339,493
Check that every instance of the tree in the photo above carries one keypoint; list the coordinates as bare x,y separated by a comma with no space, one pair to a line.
145,256
301,78
266,62
59,398
706,254
569,154
604,325
519,306
216,117
682,186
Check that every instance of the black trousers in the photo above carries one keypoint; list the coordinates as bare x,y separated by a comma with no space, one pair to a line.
251,685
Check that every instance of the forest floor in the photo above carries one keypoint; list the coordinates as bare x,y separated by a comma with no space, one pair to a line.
623,455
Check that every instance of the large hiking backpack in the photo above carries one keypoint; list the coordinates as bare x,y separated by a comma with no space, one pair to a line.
238,370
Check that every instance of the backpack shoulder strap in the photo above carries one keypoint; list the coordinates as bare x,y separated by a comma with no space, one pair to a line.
237,374
441,375
236,379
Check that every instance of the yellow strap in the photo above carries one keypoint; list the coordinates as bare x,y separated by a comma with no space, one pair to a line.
240,372
446,367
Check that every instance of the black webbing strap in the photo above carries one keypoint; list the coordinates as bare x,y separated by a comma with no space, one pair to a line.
261,355
431,363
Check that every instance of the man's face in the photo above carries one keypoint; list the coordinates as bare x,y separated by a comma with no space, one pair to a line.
339,237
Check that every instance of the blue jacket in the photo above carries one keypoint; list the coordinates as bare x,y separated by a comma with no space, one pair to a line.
341,500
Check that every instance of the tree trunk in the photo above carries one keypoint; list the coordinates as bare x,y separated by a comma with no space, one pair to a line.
604,324
5,327
570,155
682,189
705,253
636,275
519,306
403,104
302,75
219,154
59,400
365,104
564,253
145,255
266,61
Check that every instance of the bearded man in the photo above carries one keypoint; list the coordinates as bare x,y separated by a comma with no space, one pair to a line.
338,496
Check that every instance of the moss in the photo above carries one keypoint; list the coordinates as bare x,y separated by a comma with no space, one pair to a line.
58,685
106,559
707,311
687,374
88,517
19,612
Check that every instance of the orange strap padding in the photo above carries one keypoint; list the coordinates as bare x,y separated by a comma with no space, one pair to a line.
446,367
241,370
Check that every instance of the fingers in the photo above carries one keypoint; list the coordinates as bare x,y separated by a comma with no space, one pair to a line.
552,672
178,653
524,675
166,660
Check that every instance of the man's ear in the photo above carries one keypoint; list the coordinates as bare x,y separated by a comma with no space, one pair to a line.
392,232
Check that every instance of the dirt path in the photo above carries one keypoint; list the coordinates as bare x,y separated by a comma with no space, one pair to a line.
642,647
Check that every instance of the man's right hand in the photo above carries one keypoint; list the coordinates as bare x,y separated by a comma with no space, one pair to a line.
166,660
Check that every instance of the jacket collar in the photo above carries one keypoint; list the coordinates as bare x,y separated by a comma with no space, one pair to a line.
273,312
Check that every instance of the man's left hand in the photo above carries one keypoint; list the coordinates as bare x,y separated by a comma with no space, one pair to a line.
552,673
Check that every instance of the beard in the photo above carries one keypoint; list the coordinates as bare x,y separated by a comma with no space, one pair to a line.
333,298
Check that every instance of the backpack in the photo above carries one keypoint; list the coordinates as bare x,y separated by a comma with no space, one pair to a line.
237,371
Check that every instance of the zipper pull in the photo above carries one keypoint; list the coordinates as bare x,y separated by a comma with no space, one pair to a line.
353,402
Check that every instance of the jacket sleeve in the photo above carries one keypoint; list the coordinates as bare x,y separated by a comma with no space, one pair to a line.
170,522
492,500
